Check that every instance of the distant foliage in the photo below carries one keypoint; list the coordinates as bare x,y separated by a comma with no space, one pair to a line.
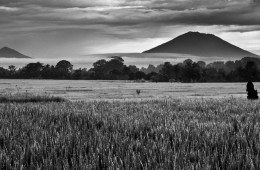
114,69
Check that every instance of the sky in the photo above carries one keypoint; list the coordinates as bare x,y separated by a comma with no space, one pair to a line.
73,28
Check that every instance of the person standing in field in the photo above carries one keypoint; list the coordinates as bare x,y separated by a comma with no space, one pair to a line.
251,92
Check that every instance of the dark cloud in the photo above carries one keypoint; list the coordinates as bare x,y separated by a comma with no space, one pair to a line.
244,29
196,12
123,19
256,2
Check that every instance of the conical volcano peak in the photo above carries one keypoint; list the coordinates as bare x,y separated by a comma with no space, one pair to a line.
6,48
7,52
201,44
197,35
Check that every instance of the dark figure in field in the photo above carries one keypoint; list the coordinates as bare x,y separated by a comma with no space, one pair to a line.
251,92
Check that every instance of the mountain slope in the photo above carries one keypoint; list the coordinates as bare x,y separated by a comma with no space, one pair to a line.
6,52
199,44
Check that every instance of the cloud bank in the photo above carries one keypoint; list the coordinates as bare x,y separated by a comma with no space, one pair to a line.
80,26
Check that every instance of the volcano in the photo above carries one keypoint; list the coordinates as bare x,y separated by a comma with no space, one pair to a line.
200,44
6,52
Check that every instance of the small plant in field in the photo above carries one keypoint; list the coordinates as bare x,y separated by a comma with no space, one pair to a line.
235,125
68,88
138,91
26,93
17,88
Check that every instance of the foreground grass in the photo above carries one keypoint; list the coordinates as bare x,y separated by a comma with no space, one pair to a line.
180,134
28,97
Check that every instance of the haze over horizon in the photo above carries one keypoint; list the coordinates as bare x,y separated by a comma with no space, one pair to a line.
65,28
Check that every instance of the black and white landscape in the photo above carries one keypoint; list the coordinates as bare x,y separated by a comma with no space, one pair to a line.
129,84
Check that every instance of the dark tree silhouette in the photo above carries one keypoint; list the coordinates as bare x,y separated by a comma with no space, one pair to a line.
251,92
32,70
12,70
64,69
114,69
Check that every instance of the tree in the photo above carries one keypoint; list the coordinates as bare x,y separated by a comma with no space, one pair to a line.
167,71
99,63
177,72
191,71
49,72
230,66
114,64
64,69
98,70
112,69
133,68
155,77
32,70
187,62
202,64
139,75
77,74
250,72
64,65
80,74
209,75
12,70
3,73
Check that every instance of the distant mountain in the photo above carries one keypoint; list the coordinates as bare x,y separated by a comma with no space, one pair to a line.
203,45
6,52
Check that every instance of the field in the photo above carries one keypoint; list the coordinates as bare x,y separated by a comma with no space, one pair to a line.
213,132
170,134
123,90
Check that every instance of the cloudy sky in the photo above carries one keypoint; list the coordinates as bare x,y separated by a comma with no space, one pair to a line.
72,28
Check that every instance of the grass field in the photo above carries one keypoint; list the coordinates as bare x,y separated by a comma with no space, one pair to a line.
28,97
123,90
169,134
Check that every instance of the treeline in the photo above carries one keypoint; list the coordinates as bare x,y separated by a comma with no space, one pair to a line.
115,69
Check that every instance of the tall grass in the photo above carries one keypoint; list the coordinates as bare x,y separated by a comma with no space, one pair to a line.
28,97
176,134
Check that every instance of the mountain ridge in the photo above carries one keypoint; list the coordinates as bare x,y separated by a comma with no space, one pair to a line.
201,44
7,52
